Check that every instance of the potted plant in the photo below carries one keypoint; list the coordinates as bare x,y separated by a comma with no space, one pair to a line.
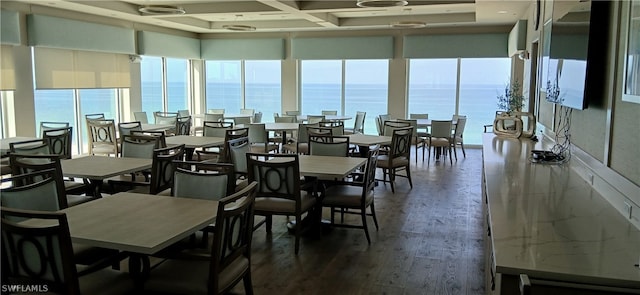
511,100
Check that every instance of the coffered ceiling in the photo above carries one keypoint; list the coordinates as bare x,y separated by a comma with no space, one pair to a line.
213,16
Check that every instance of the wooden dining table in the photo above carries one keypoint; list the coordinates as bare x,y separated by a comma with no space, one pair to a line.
98,168
363,141
191,142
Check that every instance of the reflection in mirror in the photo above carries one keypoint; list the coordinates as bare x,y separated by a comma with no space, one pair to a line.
632,82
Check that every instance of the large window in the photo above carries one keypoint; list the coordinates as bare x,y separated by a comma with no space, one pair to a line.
254,84
165,84
434,89
347,86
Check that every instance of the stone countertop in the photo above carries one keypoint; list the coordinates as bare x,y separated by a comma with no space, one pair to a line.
547,222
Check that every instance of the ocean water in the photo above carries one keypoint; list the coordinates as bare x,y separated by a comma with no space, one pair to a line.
478,102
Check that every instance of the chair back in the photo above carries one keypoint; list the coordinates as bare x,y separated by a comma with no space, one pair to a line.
39,255
141,117
358,124
31,147
337,127
441,129
231,134
318,131
369,180
292,113
140,146
412,123
59,141
213,117
215,129
125,128
389,126
183,113
257,117
459,130
232,239
158,134
202,180
329,112
102,137
303,132
36,190
165,118
215,111
336,146
247,111
242,120
418,116
258,133
25,164
311,119
238,149
278,176
44,126
97,116
401,143
162,167
285,119
379,126
183,125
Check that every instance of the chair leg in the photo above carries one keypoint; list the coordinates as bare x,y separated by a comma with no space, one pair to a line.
463,152
450,157
269,222
373,213
455,151
392,179
364,224
408,169
248,286
298,231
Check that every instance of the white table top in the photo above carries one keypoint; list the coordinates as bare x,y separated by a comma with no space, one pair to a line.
549,223
192,141
281,126
226,116
4,142
139,223
326,167
366,139
101,167
326,117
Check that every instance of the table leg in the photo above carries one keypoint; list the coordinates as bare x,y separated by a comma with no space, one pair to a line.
139,268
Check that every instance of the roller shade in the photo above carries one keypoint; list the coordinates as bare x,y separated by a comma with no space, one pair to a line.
7,70
9,27
48,31
71,69
454,46
343,48
242,49
158,44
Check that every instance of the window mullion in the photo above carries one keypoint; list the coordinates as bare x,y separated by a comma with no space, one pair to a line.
243,99
342,89
458,87
165,103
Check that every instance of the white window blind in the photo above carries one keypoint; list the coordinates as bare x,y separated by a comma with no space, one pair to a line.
75,69
7,70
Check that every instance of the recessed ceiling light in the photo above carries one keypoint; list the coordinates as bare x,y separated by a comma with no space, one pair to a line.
241,28
408,24
381,3
502,11
161,9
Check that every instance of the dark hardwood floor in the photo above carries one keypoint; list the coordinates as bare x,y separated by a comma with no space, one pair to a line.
430,241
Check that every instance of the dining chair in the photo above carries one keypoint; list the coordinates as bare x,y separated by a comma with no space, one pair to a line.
31,147
358,124
125,128
218,269
423,131
323,145
70,192
59,141
238,149
398,157
162,142
102,137
183,125
355,195
440,138
292,113
329,112
183,113
389,126
215,111
311,119
213,129
135,146
165,117
242,120
457,138
247,111
279,190
141,117
202,180
257,117
161,178
43,255
418,141
337,127
259,139
300,144
277,135
231,134
44,126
